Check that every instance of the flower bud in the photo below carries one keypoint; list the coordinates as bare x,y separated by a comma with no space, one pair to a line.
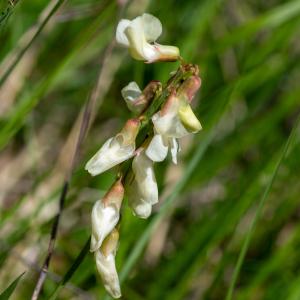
106,266
189,88
166,122
129,132
106,214
115,150
110,243
130,93
136,100
188,119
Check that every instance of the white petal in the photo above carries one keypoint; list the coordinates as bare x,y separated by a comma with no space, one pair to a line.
169,124
143,170
136,38
138,46
142,192
107,269
142,209
112,153
152,27
188,118
157,149
120,32
130,93
150,53
139,34
104,220
174,146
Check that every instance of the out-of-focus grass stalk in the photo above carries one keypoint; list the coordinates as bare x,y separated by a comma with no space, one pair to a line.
270,20
26,105
50,11
262,201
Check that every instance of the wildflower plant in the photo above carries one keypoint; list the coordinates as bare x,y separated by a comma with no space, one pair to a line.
163,115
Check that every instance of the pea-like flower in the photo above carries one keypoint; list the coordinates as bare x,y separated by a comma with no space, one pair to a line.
139,36
131,93
106,214
137,101
106,266
142,190
115,150
175,120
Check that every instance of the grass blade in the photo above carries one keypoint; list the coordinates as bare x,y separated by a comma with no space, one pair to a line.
10,289
72,270
246,243
41,26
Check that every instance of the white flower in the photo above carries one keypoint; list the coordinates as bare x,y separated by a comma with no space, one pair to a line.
106,214
131,93
142,192
139,36
138,100
115,150
159,146
175,120
106,266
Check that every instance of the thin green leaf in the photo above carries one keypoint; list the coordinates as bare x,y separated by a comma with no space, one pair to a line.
258,212
5,295
79,259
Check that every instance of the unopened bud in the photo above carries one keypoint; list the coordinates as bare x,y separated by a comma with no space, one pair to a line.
129,131
106,214
136,100
110,243
188,119
115,195
189,88
170,104
106,265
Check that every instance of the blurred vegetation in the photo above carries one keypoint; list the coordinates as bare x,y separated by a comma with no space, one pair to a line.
248,53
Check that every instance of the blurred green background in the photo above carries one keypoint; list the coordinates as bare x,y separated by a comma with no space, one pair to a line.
248,55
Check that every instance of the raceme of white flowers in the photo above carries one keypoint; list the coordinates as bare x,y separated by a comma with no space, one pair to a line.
174,120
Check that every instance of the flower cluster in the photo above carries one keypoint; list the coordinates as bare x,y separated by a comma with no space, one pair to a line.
162,117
